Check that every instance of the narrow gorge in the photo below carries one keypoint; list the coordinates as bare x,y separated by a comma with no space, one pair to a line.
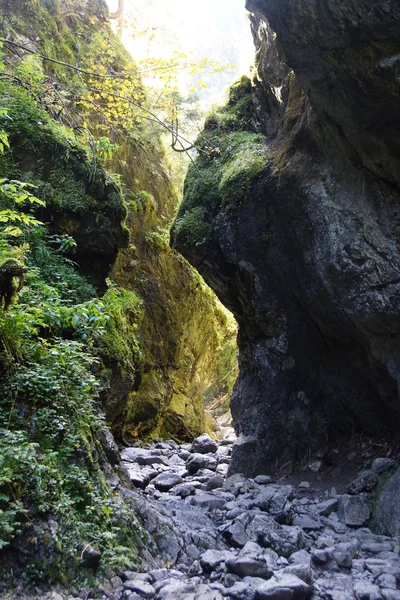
122,474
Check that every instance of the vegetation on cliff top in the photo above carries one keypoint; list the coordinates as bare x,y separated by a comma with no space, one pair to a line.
231,159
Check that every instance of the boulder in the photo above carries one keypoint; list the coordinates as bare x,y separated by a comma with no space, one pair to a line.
353,511
165,481
195,462
285,587
365,482
211,559
252,566
204,444
215,482
381,465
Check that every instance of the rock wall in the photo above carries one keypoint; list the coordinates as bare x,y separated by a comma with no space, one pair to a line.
180,326
292,216
112,327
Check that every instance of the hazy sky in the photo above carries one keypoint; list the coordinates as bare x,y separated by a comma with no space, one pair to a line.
216,29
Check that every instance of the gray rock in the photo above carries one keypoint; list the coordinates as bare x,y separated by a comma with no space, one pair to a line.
286,587
263,479
238,484
138,477
353,511
285,540
381,465
365,482
389,594
377,547
222,469
165,481
204,592
158,574
300,557
241,591
211,559
186,489
307,523
378,566
260,526
144,589
322,557
176,461
223,451
207,501
344,553
304,485
326,507
195,462
184,454
263,499
277,503
386,580
130,454
151,460
210,463
302,571
236,534
250,566
387,515
172,589
204,444
215,482
251,548
365,590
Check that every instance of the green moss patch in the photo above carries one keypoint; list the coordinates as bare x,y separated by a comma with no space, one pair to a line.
231,159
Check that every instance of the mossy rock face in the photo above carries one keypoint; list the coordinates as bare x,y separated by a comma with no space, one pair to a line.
171,343
232,159
80,198
180,341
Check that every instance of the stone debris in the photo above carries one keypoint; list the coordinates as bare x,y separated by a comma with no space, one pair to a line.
249,539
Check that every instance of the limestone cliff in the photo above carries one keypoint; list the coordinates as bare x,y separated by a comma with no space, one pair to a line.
292,216
158,389
112,326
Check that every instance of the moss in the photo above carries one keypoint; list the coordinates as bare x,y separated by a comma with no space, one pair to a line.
231,159
119,343
237,114
191,229
9,269
225,171
245,165
142,202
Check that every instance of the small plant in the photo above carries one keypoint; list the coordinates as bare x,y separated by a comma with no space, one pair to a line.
158,240
105,148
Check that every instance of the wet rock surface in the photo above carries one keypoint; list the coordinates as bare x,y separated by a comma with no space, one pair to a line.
249,539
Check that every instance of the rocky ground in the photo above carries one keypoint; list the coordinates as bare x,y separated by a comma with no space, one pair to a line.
250,539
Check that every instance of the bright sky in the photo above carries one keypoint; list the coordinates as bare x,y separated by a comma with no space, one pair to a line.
216,29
